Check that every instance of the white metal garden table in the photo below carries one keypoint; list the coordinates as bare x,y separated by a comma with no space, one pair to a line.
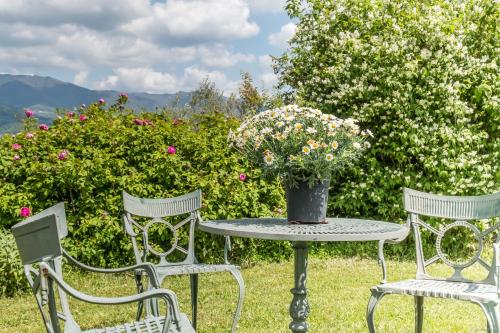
336,230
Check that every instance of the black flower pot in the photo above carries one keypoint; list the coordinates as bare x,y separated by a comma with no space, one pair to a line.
307,205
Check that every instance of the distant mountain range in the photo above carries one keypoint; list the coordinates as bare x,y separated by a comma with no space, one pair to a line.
44,94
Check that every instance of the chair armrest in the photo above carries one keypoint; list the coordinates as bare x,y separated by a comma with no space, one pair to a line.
381,258
168,296
147,267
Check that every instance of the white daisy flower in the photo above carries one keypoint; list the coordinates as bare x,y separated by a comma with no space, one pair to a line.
311,130
266,130
269,159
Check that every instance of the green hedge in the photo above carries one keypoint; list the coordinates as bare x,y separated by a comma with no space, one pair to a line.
12,278
109,152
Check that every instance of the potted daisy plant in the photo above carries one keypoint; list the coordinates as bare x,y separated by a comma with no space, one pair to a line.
303,147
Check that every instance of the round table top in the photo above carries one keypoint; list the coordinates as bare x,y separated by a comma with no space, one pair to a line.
337,229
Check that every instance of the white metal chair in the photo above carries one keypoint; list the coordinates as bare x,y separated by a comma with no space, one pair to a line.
157,211
38,241
461,210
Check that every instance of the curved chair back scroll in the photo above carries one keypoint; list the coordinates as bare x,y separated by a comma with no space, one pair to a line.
460,210
157,211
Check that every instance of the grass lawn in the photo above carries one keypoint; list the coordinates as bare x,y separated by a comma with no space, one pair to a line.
338,294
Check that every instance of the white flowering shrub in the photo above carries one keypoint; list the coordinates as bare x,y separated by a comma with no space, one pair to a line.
423,75
299,144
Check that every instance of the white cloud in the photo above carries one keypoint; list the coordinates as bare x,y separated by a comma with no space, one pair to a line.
266,6
265,62
149,80
42,57
78,48
267,76
193,75
268,80
80,78
219,56
100,49
94,14
22,34
280,39
194,21
140,79
108,83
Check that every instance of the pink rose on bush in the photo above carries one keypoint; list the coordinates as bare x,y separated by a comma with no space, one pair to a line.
25,212
123,97
43,127
142,122
242,177
62,155
16,158
30,135
28,113
70,114
16,146
171,150
83,117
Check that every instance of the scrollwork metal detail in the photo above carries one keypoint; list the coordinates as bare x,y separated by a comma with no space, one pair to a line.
477,236
175,238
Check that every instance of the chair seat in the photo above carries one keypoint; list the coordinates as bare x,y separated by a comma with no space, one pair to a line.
192,269
149,325
481,292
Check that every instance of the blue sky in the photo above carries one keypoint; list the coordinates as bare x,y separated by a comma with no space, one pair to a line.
143,45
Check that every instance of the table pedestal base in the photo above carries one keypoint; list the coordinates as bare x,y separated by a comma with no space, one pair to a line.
299,308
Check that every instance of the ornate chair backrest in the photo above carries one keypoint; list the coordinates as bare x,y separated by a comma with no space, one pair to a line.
38,240
156,211
460,210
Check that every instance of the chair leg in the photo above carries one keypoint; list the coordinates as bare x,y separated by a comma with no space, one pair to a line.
241,286
492,316
419,313
152,305
140,289
372,303
193,278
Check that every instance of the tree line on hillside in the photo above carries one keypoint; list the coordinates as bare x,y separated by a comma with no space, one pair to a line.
207,97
